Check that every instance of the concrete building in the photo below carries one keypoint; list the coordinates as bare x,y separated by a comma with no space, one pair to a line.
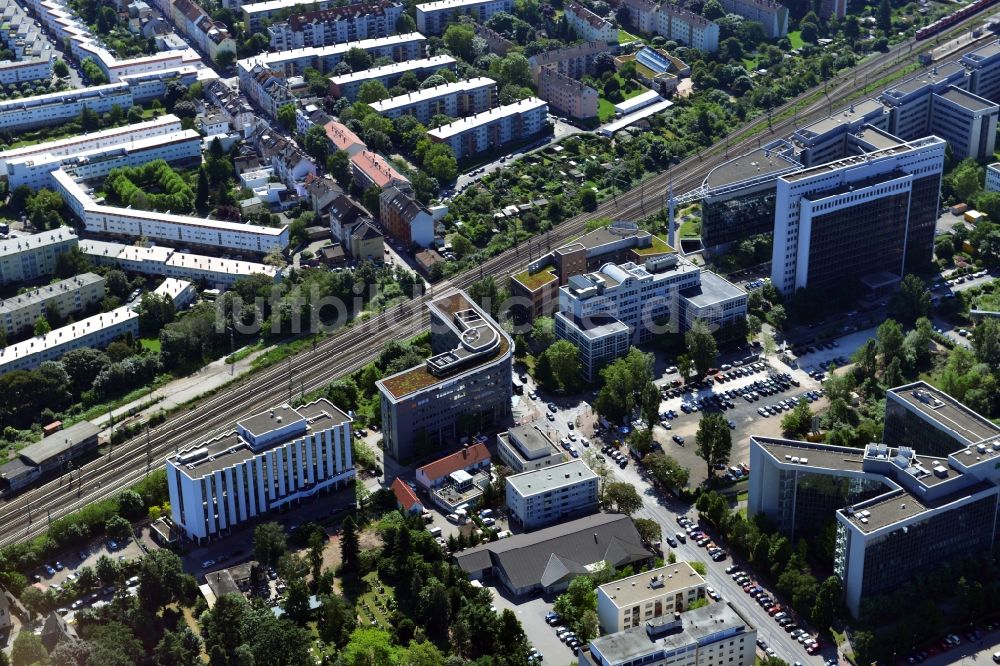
254,14
930,421
324,58
857,216
772,15
707,636
334,25
434,17
180,292
98,331
20,71
548,560
25,258
49,455
572,61
527,447
588,26
366,242
983,66
369,168
541,497
269,461
211,36
715,301
456,100
993,177
470,459
59,107
631,602
686,27
494,129
465,386
566,95
66,297
599,339
831,138
347,85
405,218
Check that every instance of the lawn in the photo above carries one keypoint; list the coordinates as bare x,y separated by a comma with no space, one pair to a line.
152,344
376,604
796,39
606,108
535,280
624,37
691,228
659,246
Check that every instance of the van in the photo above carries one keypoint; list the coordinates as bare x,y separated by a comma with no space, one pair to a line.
435,531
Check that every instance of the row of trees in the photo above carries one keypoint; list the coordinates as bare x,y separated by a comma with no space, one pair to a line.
136,187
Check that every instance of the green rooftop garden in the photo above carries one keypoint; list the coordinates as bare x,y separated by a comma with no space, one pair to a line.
535,280
659,246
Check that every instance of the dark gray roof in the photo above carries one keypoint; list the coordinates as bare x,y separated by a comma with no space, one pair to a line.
59,442
546,556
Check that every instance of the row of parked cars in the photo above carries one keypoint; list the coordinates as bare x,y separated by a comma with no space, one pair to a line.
951,641
774,609
814,347
620,458
788,404
700,538
565,635
728,373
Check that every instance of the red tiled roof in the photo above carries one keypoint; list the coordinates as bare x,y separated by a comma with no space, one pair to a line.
404,494
463,459
375,168
341,137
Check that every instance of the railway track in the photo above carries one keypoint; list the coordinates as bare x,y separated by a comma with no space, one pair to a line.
349,348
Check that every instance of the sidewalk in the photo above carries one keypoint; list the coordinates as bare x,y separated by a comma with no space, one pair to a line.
181,390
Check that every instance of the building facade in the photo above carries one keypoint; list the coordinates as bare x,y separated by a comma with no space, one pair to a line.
347,85
269,461
678,24
335,25
493,129
631,602
456,100
566,95
589,26
993,177
599,339
434,17
25,258
65,297
405,218
527,447
772,15
541,497
464,387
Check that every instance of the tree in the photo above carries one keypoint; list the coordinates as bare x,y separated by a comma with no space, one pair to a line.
178,648
564,359
889,338
967,178
225,58
459,37
685,367
269,543
777,316
108,570
666,471
162,580
944,248
118,527
622,498
462,246
712,10
587,198
350,549
296,603
809,32
286,116
768,345
884,19
986,344
357,59
372,91
701,346
369,647
798,421
60,68
338,165
912,301
405,24
543,332
827,600
864,645
130,504
28,649
201,198
576,606
648,529
42,326
336,620
714,441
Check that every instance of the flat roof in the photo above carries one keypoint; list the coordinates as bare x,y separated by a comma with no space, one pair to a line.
550,478
203,262
61,336
647,97
928,77
844,117
966,99
277,5
445,4
605,235
471,122
154,253
855,160
18,244
278,57
713,289
899,506
59,442
652,583
532,442
394,68
756,163
635,116
818,455
878,139
43,294
982,53
272,419
426,94
594,327
941,407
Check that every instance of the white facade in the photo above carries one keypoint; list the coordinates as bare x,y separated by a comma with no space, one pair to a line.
59,107
66,297
456,100
180,292
267,462
527,447
434,17
541,497
324,58
599,340
36,69
630,602
588,26
24,258
254,14
993,177
332,26
347,85
97,331
772,15
494,128
686,27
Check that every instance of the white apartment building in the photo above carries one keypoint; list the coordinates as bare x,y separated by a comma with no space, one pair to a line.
180,292
714,635
456,100
24,258
59,107
347,85
98,331
335,25
269,461
18,71
631,602
772,15
993,177
66,297
166,227
256,13
588,26
527,447
494,128
553,494
857,216
686,27
434,17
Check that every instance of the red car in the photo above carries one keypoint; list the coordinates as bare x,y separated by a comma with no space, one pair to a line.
774,610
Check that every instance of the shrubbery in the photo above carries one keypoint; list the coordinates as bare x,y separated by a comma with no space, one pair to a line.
129,184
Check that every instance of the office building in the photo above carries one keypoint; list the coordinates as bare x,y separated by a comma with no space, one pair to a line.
857,216
548,560
98,331
455,100
983,66
993,177
567,96
25,258
347,85
434,17
527,447
708,636
406,219
588,26
600,339
830,139
772,15
53,453
270,461
541,497
465,385
714,300
631,602
335,25
494,129
65,297
930,421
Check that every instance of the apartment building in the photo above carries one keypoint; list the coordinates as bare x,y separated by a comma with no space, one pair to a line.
65,297
898,509
334,25
347,85
589,26
630,602
714,634
212,37
405,218
19,71
566,95
180,292
269,461
324,58
528,447
369,168
686,27
572,61
456,100
97,331
857,216
494,129
26,258
565,491
59,107
255,14
466,384
434,17
772,15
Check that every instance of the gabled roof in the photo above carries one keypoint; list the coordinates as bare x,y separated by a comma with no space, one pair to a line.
405,496
365,230
468,457
56,630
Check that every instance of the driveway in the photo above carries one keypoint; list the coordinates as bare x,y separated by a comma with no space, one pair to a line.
531,613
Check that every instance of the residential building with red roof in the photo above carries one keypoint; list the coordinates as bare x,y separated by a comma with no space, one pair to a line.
406,499
370,168
469,459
